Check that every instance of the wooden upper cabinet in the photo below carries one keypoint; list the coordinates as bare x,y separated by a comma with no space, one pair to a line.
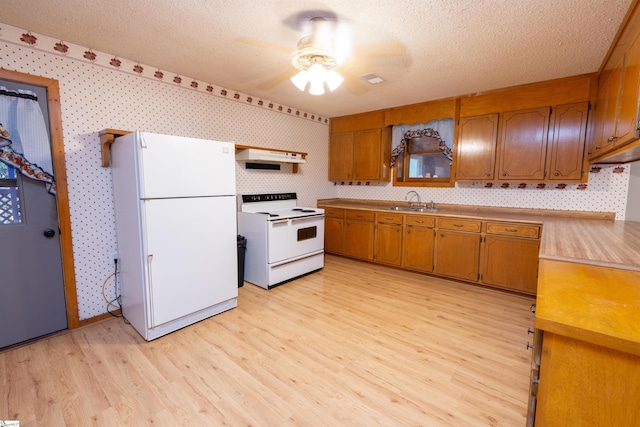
366,155
627,123
566,150
476,151
523,144
615,131
608,95
341,156
359,148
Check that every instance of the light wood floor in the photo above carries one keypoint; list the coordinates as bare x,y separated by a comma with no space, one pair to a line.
355,344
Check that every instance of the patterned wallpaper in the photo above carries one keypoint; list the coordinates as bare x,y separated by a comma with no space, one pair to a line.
606,191
94,95
99,91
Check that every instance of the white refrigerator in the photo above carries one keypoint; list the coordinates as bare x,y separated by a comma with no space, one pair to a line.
176,229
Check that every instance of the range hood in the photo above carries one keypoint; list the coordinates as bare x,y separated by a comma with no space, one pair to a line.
257,155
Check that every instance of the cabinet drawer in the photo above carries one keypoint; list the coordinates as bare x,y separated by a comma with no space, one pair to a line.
521,230
360,215
419,220
334,212
389,218
460,224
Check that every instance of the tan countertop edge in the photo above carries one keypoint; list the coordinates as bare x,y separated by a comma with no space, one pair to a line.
595,304
595,263
481,212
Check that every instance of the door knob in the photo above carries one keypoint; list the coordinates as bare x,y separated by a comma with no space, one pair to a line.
49,232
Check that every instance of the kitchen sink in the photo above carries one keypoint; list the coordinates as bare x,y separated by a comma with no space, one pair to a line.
401,208
413,209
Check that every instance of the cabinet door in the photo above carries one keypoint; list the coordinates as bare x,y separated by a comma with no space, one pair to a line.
341,156
457,254
566,160
628,107
611,109
417,248
333,235
523,144
511,263
367,160
583,384
388,244
477,147
358,239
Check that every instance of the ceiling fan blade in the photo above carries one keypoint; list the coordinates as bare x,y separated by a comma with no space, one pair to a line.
263,44
278,79
353,83
385,49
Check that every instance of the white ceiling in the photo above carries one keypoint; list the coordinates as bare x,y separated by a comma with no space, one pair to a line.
424,49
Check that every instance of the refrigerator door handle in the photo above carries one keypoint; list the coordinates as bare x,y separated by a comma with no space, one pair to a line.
150,321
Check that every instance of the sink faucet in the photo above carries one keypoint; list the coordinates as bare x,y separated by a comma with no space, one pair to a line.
406,197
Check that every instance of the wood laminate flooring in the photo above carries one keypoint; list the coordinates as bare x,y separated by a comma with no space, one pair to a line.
355,344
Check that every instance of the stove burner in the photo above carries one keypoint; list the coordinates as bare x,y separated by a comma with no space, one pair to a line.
296,209
268,213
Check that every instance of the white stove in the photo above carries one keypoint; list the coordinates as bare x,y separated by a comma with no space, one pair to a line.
284,241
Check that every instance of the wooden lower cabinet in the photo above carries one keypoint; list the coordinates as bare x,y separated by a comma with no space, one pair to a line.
334,235
457,254
511,263
418,243
584,384
334,231
359,229
493,253
388,238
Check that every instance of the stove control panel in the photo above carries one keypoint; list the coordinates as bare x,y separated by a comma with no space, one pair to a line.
250,198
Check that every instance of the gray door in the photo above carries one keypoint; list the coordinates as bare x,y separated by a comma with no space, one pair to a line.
32,299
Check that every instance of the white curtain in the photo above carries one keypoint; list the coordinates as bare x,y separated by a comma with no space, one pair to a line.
23,119
444,127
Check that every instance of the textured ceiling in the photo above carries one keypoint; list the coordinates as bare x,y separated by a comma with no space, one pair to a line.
424,49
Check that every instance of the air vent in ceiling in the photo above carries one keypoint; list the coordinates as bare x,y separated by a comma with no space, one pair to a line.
372,78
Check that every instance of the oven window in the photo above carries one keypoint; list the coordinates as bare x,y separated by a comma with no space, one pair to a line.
307,233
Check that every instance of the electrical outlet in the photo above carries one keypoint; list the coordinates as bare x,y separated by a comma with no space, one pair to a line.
114,255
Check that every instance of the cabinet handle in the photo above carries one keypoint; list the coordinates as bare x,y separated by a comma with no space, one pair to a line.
511,230
611,139
533,308
556,173
458,225
529,330
488,174
504,174
420,221
529,346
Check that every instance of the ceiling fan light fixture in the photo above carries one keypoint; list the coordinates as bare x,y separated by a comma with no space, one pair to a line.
300,80
316,87
333,80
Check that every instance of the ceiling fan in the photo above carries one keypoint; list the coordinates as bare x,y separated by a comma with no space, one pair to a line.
318,56
325,57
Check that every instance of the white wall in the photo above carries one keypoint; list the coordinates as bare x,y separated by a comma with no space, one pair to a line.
633,200
95,94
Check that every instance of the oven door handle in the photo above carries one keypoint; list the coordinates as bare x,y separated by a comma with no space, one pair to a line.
280,221
307,218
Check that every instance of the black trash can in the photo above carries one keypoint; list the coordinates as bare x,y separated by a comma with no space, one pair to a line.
242,248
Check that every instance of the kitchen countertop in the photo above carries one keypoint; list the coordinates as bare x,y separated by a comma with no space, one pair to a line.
593,238
599,305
